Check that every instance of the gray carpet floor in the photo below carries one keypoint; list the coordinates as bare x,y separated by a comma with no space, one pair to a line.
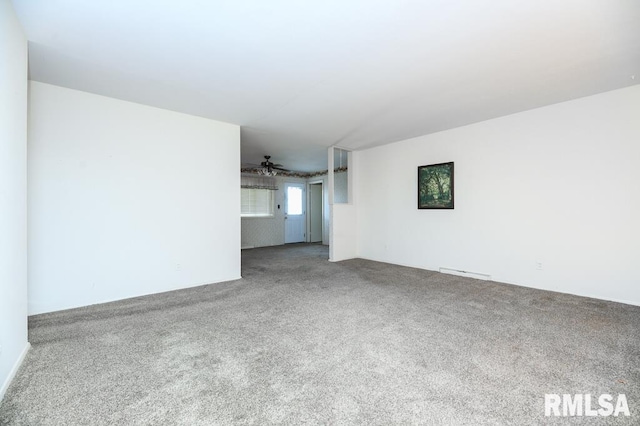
300,340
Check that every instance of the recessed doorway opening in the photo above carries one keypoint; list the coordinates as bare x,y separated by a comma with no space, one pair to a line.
316,216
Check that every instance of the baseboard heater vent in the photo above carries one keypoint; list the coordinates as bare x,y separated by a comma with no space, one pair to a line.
468,274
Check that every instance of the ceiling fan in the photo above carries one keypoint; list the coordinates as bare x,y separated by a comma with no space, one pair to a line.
267,168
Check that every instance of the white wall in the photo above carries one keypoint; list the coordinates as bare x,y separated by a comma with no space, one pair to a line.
13,195
557,185
343,228
343,232
126,199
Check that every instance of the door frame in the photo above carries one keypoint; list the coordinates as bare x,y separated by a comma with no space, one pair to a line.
322,212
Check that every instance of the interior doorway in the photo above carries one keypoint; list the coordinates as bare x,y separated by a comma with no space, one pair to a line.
294,213
315,212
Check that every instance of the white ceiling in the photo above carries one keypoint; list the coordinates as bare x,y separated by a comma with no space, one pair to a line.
301,76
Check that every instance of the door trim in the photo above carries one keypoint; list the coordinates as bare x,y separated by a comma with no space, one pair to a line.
322,212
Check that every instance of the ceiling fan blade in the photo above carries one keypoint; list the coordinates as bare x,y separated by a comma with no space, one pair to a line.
267,164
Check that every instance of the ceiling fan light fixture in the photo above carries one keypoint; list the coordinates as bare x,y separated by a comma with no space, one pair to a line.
267,171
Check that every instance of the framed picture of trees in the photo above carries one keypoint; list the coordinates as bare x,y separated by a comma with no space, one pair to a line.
435,186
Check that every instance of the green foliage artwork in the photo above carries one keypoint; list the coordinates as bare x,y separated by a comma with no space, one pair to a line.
435,186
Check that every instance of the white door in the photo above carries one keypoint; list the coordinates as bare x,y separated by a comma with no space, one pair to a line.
294,214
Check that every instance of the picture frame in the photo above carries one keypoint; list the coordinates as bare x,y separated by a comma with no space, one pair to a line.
436,186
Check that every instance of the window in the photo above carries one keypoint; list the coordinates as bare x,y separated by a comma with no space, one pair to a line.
294,200
257,202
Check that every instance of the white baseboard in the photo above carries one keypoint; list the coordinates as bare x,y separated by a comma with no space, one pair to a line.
468,274
13,371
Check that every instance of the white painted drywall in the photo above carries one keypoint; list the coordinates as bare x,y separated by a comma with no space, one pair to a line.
126,199
13,194
343,232
556,185
343,229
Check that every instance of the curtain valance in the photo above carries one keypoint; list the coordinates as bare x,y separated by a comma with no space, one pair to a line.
258,182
